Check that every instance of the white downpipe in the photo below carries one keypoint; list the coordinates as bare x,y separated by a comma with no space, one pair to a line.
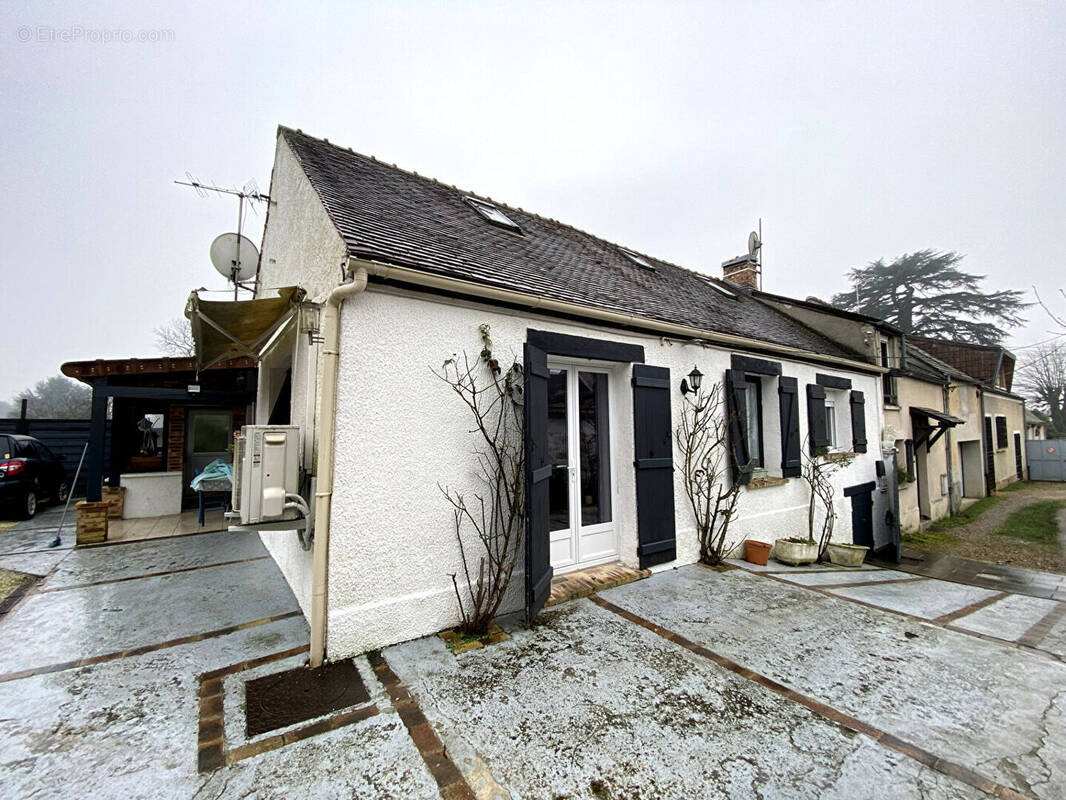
326,419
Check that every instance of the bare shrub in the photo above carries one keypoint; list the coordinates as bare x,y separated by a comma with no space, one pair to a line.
702,439
496,512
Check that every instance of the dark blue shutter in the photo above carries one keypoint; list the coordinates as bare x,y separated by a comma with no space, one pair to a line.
735,403
653,450
858,422
538,471
788,393
816,427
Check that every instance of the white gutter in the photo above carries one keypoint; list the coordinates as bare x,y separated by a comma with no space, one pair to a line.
429,280
327,408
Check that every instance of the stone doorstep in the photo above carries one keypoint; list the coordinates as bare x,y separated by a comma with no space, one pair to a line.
583,583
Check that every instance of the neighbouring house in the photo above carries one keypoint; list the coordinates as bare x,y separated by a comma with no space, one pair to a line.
167,420
406,269
1035,425
1001,412
935,412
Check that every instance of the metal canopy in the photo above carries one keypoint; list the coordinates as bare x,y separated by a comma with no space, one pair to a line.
228,329
944,423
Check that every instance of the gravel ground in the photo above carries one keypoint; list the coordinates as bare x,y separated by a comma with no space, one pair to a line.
980,539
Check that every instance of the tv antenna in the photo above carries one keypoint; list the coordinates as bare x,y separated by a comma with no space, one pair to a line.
755,250
233,254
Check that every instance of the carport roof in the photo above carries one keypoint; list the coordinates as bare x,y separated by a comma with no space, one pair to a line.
85,371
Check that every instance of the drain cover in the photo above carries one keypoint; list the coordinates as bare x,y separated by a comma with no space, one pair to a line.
276,701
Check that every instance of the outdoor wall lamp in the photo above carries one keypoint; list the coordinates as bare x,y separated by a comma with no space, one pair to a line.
692,383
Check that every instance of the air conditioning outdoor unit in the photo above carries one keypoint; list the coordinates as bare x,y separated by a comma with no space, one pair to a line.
266,468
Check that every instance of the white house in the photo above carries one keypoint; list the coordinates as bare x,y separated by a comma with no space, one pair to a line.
606,336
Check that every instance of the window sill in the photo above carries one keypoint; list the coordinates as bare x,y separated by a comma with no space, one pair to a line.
839,455
766,483
891,406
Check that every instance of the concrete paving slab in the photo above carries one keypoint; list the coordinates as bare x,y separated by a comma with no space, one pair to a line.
34,539
55,627
991,707
928,599
40,563
778,566
829,579
1008,618
1003,577
589,705
127,729
118,562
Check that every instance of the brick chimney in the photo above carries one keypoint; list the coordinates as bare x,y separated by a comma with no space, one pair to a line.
742,271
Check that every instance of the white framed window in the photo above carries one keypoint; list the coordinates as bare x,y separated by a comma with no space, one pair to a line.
831,420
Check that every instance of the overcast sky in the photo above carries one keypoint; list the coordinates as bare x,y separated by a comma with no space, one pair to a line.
855,132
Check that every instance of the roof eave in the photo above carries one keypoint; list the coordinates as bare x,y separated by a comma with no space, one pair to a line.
484,291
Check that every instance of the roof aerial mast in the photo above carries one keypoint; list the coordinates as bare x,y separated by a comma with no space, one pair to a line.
234,255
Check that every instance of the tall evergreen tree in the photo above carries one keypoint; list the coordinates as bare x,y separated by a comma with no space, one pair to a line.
926,294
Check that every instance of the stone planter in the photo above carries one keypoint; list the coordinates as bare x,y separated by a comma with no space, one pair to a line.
756,552
847,555
795,553
115,497
92,522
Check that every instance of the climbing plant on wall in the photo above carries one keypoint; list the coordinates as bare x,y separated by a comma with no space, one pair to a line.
495,511
702,440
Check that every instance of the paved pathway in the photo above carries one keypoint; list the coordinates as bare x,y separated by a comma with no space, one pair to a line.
122,676
1003,577
102,666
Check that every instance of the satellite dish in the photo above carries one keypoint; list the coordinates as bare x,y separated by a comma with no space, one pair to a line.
235,257
753,243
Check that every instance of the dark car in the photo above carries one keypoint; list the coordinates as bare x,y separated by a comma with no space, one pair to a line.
30,473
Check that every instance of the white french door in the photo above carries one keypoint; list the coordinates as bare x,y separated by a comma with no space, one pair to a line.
581,497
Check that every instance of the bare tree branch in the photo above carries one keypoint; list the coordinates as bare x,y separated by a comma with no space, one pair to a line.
701,437
496,515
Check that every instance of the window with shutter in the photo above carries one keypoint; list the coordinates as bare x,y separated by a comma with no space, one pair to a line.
1001,433
817,432
858,422
736,389
788,394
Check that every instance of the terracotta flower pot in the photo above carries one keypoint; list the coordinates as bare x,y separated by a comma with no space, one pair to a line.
795,553
756,552
847,555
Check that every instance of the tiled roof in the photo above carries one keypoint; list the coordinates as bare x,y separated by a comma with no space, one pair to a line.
977,360
927,366
386,214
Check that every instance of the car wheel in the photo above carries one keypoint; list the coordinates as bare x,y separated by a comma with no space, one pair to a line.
29,504
62,492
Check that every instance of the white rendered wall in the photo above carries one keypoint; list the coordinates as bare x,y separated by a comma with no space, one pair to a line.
400,431
300,248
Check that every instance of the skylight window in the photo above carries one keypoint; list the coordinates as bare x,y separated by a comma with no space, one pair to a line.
639,260
493,214
718,286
